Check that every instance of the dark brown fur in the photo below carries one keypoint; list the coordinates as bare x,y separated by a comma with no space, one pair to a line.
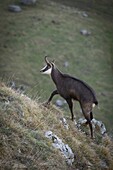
72,88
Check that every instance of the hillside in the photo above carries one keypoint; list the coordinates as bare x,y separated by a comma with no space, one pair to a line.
23,145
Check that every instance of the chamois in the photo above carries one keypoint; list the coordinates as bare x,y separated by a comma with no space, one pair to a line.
71,88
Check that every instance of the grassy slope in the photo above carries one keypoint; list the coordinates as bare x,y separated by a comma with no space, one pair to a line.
53,29
23,123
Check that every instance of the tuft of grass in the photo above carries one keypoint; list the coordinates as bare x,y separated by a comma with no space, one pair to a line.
23,123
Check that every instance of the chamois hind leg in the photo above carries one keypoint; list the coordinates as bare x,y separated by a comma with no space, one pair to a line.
87,111
70,104
91,117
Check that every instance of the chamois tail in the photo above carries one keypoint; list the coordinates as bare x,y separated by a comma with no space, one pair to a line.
96,102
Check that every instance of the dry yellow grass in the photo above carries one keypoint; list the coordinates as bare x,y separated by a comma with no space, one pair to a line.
23,146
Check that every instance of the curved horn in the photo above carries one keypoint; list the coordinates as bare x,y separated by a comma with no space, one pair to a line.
46,60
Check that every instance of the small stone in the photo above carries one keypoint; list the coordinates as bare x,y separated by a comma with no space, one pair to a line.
14,8
21,89
59,103
12,85
84,14
85,32
48,134
66,64
81,121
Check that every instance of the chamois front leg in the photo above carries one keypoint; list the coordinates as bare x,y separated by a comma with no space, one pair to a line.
55,92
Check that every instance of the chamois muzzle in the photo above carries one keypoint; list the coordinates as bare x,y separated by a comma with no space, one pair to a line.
47,69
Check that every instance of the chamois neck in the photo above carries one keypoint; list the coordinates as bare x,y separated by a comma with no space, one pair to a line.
56,75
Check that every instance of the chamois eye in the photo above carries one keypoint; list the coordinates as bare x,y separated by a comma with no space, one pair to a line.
48,65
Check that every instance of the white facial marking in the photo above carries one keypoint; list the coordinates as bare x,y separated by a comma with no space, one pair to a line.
47,71
43,68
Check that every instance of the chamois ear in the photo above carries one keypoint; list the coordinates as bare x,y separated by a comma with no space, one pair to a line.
53,62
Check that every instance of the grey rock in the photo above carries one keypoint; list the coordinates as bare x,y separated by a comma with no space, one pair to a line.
59,103
85,32
64,148
100,125
66,64
84,14
14,8
81,121
21,89
95,124
28,2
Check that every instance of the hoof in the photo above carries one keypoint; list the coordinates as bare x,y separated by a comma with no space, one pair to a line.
46,104
73,119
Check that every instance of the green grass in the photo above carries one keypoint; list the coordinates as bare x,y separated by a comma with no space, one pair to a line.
26,37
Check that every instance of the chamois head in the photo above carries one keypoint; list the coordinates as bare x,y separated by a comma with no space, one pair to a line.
48,68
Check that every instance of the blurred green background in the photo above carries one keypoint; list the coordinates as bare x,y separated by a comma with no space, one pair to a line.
53,28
